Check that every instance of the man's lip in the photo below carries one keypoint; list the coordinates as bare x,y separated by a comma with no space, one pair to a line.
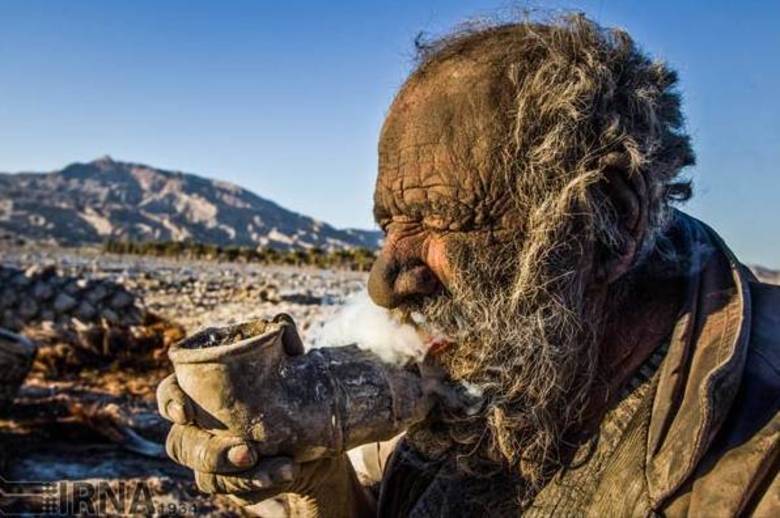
432,344
437,345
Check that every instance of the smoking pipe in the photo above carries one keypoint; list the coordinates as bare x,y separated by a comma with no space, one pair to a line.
254,380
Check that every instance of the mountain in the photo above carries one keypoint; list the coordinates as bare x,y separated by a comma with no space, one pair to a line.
766,274
91,202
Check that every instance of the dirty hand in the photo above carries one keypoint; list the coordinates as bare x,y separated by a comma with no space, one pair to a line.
229,464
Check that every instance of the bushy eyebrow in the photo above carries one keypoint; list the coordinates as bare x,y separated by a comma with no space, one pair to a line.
446,211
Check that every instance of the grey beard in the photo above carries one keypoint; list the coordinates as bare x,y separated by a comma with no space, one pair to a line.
532,358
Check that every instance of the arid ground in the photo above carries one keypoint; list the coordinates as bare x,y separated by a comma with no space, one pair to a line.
86,411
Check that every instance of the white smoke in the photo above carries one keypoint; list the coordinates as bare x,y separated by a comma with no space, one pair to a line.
370,327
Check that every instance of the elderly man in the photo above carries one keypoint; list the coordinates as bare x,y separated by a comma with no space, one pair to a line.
630,364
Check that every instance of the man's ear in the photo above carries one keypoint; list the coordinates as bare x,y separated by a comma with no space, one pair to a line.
625,189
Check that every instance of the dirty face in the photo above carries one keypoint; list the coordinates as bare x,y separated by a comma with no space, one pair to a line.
439,185
456,244
523,170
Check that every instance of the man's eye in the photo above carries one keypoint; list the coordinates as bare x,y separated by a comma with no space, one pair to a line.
441,224
435,223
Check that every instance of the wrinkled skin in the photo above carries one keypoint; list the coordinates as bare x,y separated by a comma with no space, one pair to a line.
454,235
436,181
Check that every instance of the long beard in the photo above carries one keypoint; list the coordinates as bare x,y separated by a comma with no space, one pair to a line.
527,343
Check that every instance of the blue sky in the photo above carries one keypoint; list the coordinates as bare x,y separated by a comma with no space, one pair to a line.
287,98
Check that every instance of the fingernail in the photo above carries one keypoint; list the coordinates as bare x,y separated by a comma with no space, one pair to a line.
176,412
241,456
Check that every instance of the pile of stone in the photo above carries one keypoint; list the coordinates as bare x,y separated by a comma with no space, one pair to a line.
83,293
80,320
16,357
43,294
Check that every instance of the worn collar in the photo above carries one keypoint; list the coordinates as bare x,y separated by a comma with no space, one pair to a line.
701,373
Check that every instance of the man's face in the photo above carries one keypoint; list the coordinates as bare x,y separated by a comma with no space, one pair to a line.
457,257
437,188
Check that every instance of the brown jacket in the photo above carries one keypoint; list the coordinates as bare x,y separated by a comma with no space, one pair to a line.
714,439
704,436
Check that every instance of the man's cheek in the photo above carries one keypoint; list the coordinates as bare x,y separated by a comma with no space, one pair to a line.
437,261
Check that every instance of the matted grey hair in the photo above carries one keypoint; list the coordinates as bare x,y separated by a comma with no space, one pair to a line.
578,92
576,102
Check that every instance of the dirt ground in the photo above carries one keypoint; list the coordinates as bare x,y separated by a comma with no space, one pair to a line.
83,434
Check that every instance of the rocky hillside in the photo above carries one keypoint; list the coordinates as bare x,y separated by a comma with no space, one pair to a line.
91,202
766,274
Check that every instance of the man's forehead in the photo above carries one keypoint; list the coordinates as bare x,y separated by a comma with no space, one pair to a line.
441,131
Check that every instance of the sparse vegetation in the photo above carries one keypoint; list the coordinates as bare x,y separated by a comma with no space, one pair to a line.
356,259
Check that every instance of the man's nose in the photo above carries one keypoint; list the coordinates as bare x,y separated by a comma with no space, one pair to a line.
392,281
